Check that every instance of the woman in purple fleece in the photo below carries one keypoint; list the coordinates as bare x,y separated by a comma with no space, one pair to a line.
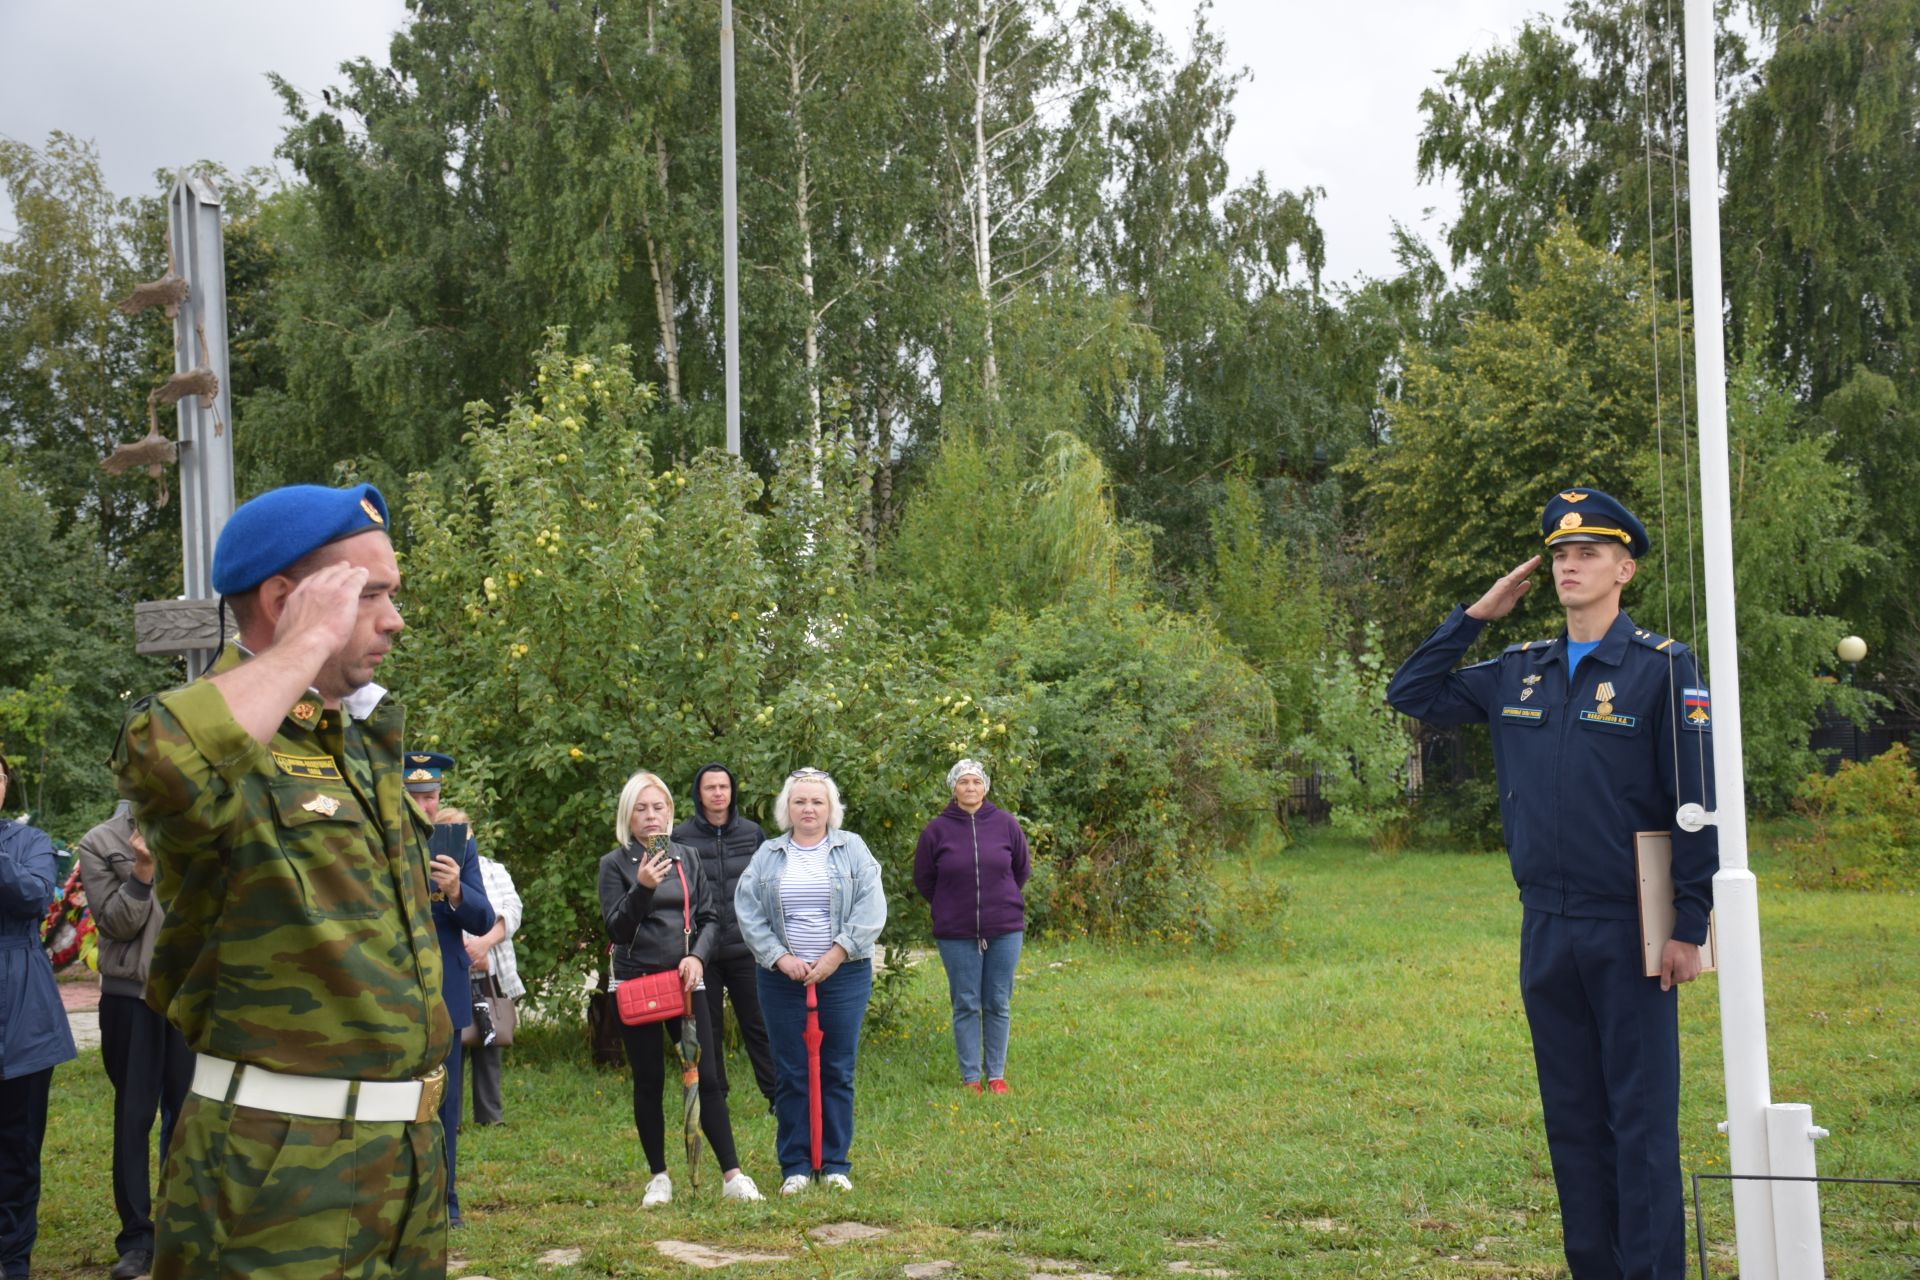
970,864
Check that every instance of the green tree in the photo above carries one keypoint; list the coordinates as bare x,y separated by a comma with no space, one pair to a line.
1562,393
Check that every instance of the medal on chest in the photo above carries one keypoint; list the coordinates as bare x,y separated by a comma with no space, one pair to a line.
1605,695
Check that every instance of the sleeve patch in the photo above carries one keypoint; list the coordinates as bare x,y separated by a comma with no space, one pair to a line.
1696,709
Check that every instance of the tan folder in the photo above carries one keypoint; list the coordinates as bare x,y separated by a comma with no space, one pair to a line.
1653,854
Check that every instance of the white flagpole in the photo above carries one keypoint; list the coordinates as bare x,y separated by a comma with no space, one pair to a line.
1772,1220
729,229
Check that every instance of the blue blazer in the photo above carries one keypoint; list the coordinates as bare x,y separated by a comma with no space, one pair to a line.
473,915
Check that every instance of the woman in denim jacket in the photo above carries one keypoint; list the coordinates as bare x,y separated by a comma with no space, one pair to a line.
810,906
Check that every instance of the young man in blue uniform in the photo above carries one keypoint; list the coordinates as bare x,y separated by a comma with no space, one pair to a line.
1598,733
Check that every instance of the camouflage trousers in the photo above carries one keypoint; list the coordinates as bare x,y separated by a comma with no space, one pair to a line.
266,1196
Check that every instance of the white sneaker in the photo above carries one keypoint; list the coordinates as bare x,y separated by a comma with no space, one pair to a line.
794,1185
659,1191
740,1188
839,1182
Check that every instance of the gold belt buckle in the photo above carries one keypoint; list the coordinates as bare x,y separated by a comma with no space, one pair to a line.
433,1087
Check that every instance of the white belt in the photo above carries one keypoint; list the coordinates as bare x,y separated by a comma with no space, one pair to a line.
319,1097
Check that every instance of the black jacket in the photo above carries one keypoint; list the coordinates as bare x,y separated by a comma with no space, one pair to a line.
724,854
646,925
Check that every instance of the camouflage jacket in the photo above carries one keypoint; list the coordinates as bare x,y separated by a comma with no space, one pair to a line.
298,934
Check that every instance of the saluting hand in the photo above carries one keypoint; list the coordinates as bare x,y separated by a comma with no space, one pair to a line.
323,607
1503,595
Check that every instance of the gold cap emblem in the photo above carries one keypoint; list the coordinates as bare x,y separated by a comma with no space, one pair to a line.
373,512
303,711
420,775
1571,520
1571,496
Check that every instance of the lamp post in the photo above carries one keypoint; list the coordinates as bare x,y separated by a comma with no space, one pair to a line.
1851,650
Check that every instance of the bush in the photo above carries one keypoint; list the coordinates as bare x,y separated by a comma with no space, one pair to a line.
1865,826
1144,735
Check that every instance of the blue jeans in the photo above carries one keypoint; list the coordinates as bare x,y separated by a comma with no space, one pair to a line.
843,1004
980,985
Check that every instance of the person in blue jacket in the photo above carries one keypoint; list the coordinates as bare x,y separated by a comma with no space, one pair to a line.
34,1036
459,906
1598,733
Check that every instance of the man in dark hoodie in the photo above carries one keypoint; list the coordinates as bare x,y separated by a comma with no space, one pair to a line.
727,842
970,864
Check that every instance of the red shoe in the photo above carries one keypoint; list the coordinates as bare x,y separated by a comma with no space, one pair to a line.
996,1086
971,1086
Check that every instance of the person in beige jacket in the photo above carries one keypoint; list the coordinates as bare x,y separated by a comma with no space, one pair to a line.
146,1058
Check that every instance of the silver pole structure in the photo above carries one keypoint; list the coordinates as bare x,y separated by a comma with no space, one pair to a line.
206,430
730,227
1776,1224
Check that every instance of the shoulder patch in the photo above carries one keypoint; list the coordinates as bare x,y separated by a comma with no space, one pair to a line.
1526,645
1659,643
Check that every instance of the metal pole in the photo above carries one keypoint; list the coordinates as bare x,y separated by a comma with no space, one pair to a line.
730,227
1743,1008
200,338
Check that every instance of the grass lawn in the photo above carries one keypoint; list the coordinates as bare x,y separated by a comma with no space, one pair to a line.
1354,1099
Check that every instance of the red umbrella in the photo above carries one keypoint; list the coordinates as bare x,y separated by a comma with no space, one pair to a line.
813,1037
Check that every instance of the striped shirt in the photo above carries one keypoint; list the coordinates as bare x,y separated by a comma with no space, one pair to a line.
806,901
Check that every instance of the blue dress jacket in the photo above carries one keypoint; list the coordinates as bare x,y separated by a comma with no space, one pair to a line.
473,915
1583,764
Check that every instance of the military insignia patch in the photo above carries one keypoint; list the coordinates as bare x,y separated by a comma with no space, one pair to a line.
1529,714
325,806
1697,709
1571,496
1531,680
303,711
373,512
1607,717
418,759
310,768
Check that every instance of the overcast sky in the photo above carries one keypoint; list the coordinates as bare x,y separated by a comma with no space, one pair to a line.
1332,102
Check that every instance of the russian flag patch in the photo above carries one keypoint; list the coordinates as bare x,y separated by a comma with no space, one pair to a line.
1696,709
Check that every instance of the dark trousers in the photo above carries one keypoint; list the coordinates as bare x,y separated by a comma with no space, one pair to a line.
647,1048
450,1121
151,1067
733,979
843,1006
23,1127
483,1068
1606,1044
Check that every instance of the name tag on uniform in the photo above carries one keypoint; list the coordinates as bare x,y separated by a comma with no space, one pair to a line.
1530,715
310,768
1619,722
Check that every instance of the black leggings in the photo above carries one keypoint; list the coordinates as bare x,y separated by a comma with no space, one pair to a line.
647,1051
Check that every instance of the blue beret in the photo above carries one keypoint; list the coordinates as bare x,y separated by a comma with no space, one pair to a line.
423,770
1588,515
268,534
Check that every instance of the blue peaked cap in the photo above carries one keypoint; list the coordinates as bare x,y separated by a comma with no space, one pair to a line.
1588,515
424,769
268,534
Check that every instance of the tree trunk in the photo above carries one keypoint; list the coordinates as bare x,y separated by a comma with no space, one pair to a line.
982,219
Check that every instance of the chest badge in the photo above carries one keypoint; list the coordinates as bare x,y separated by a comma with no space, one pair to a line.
1526,693
1605,694
325,806
1531,680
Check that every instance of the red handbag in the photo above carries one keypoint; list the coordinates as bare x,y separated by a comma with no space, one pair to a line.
655,997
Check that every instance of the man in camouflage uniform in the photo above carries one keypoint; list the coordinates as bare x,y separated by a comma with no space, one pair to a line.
298,955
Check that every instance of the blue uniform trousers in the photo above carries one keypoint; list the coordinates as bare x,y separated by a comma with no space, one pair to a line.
1606,1044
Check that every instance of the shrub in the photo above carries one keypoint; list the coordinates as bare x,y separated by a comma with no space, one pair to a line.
1865,822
